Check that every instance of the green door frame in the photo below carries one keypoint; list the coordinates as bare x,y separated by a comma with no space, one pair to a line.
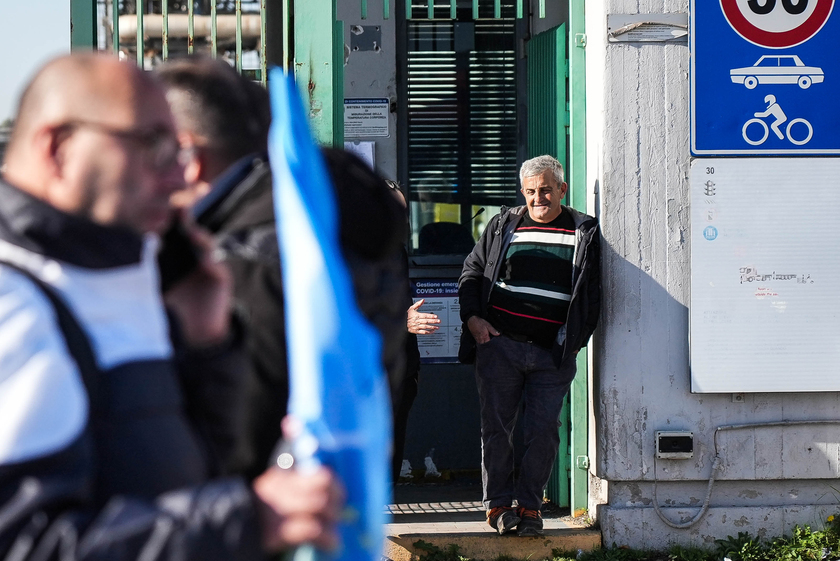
579,392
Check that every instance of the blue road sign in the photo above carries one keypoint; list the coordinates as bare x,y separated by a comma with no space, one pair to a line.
765,77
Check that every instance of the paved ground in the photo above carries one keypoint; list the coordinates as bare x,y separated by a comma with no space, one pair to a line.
446,513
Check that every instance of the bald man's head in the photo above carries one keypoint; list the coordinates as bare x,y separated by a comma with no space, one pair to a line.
94,136
81,86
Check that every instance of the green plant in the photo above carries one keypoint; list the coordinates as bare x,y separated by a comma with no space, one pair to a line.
806,544
742,548
680,553
431,552
616,554
803,544
558,554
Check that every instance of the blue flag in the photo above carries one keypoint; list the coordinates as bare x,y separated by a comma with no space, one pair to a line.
338,388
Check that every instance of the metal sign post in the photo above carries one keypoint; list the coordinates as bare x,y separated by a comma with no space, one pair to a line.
765,78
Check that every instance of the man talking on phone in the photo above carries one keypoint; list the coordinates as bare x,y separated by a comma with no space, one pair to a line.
103,448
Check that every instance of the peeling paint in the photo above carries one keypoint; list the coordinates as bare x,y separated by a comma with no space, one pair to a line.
741,522
749,494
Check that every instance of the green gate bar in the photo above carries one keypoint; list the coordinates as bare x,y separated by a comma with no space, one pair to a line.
191,26
82,24
319,68
263,63
115,16
238,36
165,33
140,8
214,41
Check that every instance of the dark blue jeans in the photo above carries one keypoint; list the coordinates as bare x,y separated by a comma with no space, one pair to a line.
507,372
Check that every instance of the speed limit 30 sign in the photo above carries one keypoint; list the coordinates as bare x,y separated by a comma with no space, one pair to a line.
764,77
777,24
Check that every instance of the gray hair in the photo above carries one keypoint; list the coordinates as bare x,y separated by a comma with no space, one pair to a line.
539,165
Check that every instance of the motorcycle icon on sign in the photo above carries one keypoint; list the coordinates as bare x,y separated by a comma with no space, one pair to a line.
756,131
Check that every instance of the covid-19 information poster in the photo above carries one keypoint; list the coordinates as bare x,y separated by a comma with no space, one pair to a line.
441,298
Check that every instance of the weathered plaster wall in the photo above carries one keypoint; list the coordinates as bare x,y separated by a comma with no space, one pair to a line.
770,478
373,74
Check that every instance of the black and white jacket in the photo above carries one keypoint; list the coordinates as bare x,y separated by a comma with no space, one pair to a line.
482,268
105,439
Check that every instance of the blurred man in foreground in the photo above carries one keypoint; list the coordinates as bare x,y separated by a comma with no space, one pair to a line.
102,417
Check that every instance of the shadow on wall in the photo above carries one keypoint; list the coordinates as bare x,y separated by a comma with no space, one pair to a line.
642,359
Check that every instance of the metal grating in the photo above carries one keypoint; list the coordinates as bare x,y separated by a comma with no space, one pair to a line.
462,113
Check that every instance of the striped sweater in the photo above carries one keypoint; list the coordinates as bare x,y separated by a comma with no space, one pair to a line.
531,298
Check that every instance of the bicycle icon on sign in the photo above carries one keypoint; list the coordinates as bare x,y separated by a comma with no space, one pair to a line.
759,131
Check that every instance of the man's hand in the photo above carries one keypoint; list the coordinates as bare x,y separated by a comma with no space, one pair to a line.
481,329
202,300
421,323
297,508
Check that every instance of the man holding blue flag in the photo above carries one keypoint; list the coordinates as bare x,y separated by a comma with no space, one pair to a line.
214,115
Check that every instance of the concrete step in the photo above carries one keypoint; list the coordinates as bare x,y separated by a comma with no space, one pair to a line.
461,523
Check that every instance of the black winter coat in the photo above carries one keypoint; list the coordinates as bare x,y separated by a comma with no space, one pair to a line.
482,268
372,230
104,453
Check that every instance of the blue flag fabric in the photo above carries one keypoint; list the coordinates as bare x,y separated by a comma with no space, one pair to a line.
338,388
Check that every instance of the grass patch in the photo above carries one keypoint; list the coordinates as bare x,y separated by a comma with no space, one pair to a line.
804,544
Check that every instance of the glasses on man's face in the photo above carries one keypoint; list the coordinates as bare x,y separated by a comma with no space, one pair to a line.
161,149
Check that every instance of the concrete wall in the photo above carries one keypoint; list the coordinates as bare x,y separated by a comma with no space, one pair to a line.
770,478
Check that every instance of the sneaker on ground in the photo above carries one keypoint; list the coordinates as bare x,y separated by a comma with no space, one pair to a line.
502,518
530,524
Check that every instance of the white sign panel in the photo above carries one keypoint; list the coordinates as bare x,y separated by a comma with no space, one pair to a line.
765,275
366,117
442,299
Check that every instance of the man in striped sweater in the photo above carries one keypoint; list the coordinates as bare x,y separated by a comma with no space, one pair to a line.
530,300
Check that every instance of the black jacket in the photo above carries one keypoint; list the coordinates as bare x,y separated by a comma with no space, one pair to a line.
482,268
240,212
104,454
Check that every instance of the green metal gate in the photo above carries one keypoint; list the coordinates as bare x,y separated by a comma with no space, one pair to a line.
307,37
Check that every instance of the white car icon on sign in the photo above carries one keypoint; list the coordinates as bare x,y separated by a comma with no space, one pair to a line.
777,69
